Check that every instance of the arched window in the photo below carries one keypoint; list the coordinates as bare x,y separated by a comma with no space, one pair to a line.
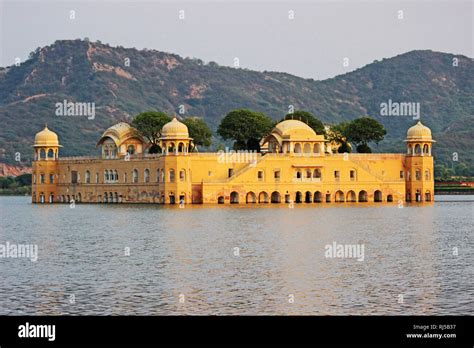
427,174
298,174
158,175
316,148
363,196
251,198
427,196
418,174
106,176
410,150
417,149
182,175
97,178
50,154
42,154
378,196
113,151
116,176
307,148
135,176
181,147
146,175
234,197
426,149
318,197
339,197
317,174
308,173
297,148
88,177
275,198
171,175
263,197
298,197
131,149
351,196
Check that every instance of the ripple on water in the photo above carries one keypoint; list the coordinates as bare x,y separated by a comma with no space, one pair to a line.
190,252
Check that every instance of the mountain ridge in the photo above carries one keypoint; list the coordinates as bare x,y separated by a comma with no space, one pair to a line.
79,70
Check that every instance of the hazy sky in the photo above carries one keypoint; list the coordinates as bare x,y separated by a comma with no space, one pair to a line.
259,33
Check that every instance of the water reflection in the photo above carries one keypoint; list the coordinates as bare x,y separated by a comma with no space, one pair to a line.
189,254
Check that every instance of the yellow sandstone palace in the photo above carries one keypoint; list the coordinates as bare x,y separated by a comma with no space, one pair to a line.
296,166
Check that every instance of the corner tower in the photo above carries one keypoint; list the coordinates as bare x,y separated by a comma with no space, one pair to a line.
419,164
175,137
45,166
175,144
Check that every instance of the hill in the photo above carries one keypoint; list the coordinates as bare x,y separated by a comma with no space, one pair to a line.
125,81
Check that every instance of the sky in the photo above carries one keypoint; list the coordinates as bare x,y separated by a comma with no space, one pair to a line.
312,39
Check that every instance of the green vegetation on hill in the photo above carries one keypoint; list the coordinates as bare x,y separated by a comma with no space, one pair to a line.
123,82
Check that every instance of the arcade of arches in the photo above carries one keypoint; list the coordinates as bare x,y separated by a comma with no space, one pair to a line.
339,196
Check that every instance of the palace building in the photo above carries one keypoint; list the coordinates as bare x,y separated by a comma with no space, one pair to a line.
296,165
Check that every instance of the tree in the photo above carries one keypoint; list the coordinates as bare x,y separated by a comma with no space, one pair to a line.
337,135
309,119
245,127
363,130
199,131
23,179
149,124
363,148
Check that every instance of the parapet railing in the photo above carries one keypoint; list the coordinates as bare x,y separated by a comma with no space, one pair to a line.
356,156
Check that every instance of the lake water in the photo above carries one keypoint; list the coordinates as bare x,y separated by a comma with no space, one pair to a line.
185,261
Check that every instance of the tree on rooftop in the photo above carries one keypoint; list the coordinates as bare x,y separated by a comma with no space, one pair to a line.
245,127
149,125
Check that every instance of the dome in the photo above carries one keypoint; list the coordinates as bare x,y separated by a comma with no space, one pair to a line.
419,132
119,133
46,138
294,129
174,130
